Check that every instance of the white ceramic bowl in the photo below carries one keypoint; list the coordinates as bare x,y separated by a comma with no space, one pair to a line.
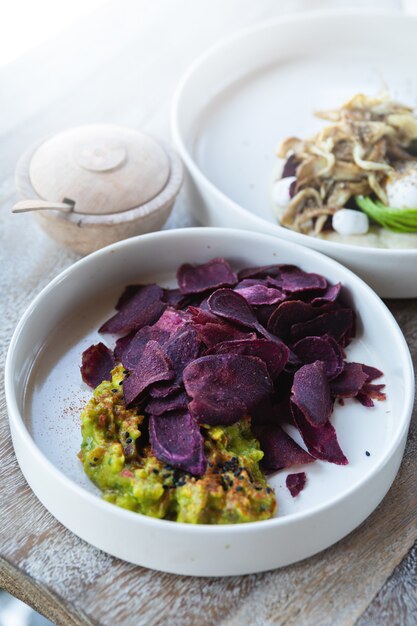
263,84
45,395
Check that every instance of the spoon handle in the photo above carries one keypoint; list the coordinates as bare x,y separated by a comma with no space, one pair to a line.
41,205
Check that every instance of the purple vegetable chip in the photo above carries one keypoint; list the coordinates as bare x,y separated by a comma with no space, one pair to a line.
280,450
287,315
371,372
295,280
290,167
274,355
174,402
321,441
325,349
133,352
296,483
174,298
152,367
211,275
311,393
97,364
370,392
183,347
330,295
260,272
264,312
122,345
257,295
176,440
226,387
230,305
338,324
212,334
350,382
213,329
144,307
171,320
128,293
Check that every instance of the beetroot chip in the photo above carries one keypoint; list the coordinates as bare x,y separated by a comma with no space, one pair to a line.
183,347
325,349
211,275
257,295
226,387
330,295
295,280
176,440
350,382
311,393
287,314
338,324
174,402
274,355
152,367
280,450
142,308
97,364
296,483
321,441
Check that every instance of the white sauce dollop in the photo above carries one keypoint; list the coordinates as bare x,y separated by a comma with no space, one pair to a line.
281,191
350,222
402,190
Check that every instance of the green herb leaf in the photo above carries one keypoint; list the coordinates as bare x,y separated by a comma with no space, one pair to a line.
397,220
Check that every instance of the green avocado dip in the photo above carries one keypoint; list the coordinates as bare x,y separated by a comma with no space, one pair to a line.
117,457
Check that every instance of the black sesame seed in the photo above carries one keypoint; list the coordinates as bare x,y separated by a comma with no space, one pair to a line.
166,475
114,390
126,434
239,488
367,453
155,471
258,488
129,440
241,477
121,382
95,459
268,490
125,372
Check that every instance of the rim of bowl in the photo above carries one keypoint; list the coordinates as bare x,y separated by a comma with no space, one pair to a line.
15,415
186,155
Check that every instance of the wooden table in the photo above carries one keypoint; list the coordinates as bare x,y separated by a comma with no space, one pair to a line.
121,65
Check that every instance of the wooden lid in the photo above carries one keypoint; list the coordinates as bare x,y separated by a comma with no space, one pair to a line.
103,168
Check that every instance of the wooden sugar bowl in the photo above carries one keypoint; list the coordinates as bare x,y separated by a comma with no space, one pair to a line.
93,185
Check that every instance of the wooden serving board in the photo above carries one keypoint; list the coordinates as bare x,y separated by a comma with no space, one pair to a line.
366,579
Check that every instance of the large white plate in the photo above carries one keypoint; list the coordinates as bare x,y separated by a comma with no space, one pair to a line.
263,84
45,395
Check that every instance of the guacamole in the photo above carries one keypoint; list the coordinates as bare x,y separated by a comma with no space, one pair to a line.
117,457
